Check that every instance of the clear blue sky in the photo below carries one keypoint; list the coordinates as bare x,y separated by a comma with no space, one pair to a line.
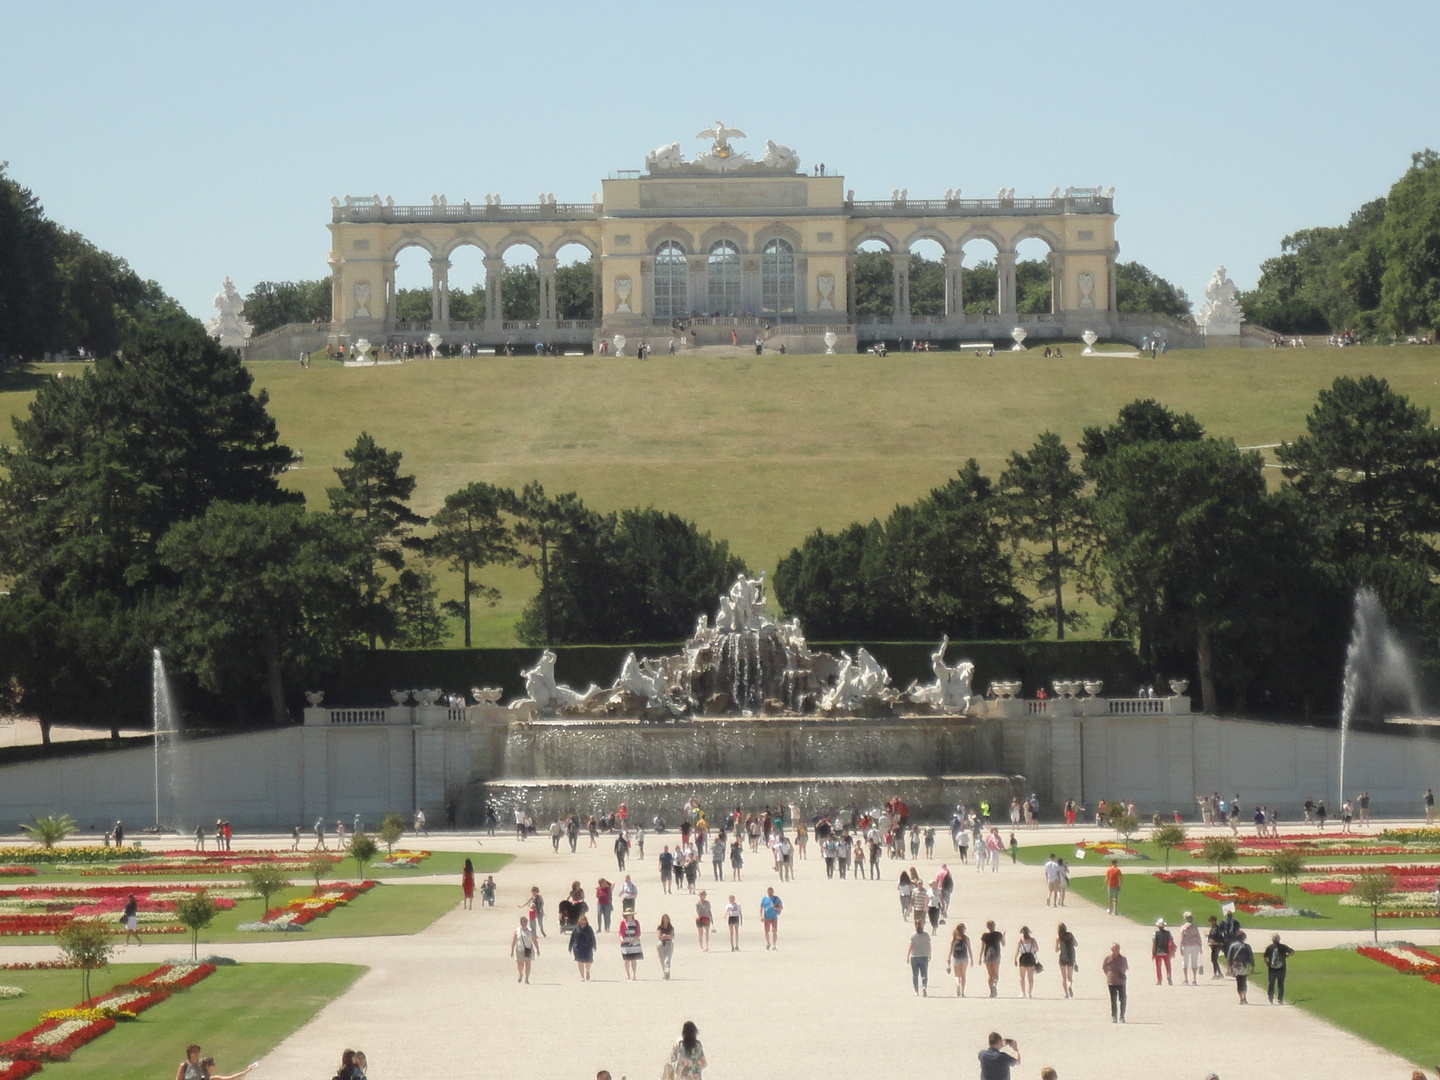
199,140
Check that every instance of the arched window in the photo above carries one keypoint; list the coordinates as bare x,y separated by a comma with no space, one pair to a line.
724,279
671,271
777,279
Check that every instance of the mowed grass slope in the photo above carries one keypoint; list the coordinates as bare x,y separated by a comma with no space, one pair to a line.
763,450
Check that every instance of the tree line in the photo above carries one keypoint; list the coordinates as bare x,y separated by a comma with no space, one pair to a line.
1204,565
1379,273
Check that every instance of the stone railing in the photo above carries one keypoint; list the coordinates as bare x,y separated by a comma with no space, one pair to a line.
1077,204
407,715
352,716
1059,708
390,213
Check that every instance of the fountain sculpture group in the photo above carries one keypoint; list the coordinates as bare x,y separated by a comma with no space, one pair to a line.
745,664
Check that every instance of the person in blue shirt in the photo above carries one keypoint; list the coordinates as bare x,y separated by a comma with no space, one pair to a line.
770,908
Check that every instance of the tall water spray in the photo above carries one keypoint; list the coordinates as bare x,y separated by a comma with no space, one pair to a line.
164,728
1376,667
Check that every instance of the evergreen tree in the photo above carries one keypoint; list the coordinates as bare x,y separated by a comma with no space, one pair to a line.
470,534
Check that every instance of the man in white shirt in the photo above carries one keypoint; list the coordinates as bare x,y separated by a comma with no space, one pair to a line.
1052,881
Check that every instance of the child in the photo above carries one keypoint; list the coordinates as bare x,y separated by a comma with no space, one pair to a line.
1014,848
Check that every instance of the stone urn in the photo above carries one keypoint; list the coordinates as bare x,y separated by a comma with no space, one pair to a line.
1089,337
1019,334
1179,686
618,341
830,340
1094,688
486,695
435,341
315,697
362,348
400,697
427,697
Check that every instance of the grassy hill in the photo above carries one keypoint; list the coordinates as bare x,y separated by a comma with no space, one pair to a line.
763,450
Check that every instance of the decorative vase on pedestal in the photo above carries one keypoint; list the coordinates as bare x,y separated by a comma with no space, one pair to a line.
1089,337
1019,335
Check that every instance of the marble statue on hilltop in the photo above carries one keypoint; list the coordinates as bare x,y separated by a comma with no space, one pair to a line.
228,328
543,692
1220,314
951,690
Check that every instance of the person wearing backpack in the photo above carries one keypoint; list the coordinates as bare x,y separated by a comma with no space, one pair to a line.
1242,963
1275,956
1162,948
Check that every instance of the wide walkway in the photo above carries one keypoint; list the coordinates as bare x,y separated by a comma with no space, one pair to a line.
834,1001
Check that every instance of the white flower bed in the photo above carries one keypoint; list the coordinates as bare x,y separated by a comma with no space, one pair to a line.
8,993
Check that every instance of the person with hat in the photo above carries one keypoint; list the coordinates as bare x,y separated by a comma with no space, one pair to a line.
1162,948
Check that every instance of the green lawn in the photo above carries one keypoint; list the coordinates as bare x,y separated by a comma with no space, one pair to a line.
239,1014
762,450
1144,899
1362,996
384,910
46,990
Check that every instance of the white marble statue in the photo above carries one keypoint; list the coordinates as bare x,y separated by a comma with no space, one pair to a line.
362,299
778,157
825,285
228,328
646,679
951,689
860,678
543,692
744,609
722,157
1220,314
664,157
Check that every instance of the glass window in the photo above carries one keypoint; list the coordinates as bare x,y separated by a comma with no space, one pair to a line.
671,272
724,279
777,278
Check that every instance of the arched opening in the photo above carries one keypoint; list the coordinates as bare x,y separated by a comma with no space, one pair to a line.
413,286
467,286
980,280
874,299
1034,282
520,284
927,279
724,274
574,283
671,280
777,278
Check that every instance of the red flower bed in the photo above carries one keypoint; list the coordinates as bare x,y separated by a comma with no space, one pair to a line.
60,905
158,977
17,871
19,1070
1410,960
39,1043
1206,884
40,965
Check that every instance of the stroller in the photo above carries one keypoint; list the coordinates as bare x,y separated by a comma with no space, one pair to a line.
570,912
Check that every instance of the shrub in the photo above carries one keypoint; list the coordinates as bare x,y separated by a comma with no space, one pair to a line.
87,945
196,912
362,850
49,829
1167,837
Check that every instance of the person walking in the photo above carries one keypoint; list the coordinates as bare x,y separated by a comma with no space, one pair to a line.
536,903
1215,937
1052,881
1027,959
991,943
622,849
1162,948
665,944
667,862
737,859
1276,955
918,956
524,948
703,918
628,893
604,897
770,909
631,950
467,884
1242,963
687,1059
1190,950
1112,887
733,918
905,888
1429,808
1065,954
582,946
319,834
1114,968
131,919
1064,880
958,959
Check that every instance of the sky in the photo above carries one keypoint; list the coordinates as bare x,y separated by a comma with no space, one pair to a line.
198,140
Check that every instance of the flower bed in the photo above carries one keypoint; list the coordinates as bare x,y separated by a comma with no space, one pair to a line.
46,909
208,863
66,856
10,993
1110,849
17,871
17,1070
1425,835
1247,900
1337,845
405,858
55,1040
297,913
40,965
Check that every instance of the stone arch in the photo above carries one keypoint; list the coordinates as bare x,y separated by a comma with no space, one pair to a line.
876,232
1036,232
410,240
569,237
465,240
518,239
778,230
714,235
670,231
929,232
981,232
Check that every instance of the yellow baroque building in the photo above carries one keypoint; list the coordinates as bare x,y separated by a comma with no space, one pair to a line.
725,247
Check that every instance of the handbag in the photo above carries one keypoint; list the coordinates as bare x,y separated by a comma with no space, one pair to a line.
1039,967
667,1071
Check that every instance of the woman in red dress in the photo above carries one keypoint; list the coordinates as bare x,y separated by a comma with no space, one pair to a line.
467,883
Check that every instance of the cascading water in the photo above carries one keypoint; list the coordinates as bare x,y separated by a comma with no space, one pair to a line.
164,731
1377,668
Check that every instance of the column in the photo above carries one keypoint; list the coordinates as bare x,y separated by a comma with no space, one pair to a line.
900,279
802,287
1057,283
439,294
749,285
545,269
955,286
645,303
851,302
1112,304
597,288
387,271
699,284
1005,282
494,299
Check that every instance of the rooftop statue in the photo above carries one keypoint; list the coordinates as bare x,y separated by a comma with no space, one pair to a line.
722,157
664,157
780,158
